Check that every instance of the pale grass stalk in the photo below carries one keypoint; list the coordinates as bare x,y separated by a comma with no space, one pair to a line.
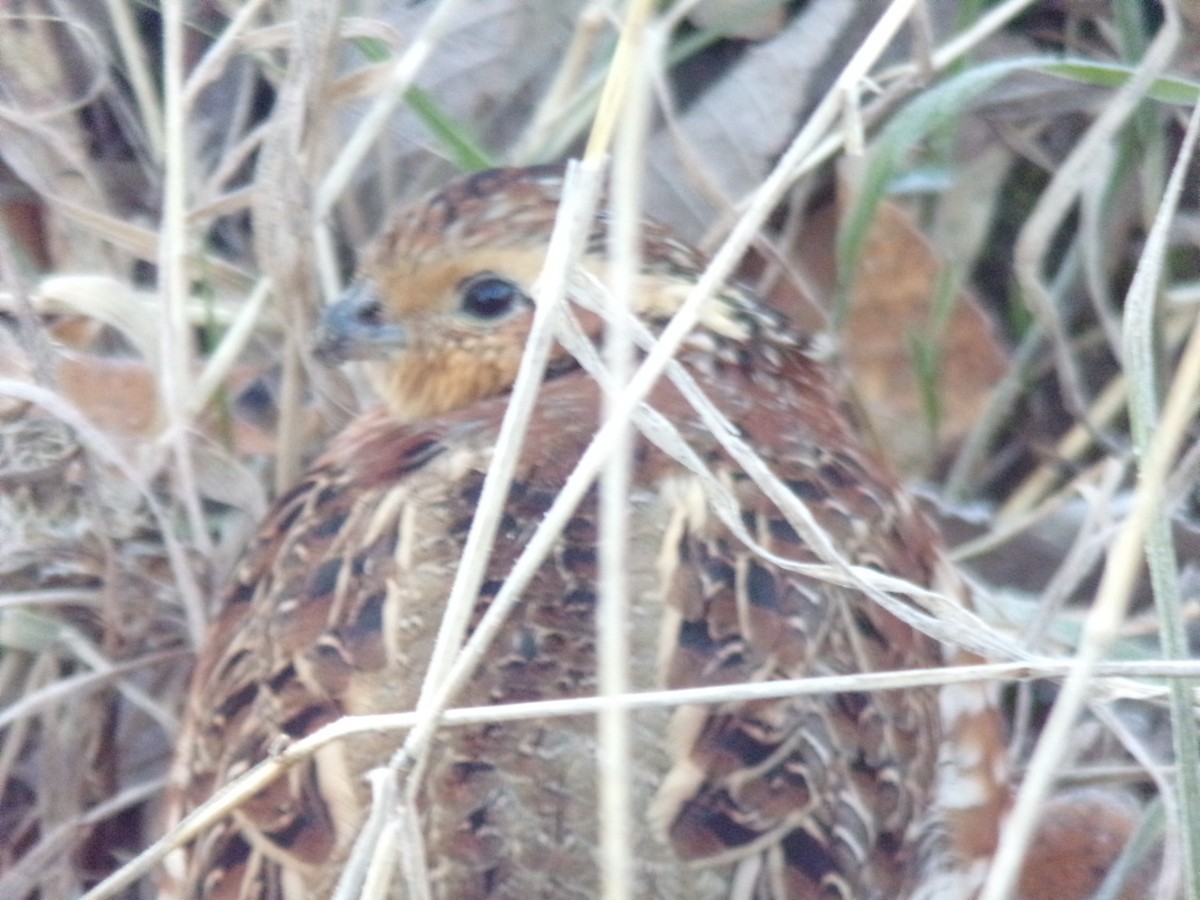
922,40
217,56
115,303
106,300
1160,776
283,176
1081,437
943,58
145,244
987,25
1123,564
84,650
377,882
352,884
923,608
352,85
413,847
1187,472
52,597
1005,530
374,865
674,15
1125,680
1092,775
376,119
1095,218
1086,548
996,412
175,330
324,250
635,57
328,269
400,78
1116,676
137,69
1086,552
1141,363
233,342
566,86
1140,845
17,677
1070,447
226,204
232,162
629,50
1183,293
72,687
579,199
448,669
854,136
290,418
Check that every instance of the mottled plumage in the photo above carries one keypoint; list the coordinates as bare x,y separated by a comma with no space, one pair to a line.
335,605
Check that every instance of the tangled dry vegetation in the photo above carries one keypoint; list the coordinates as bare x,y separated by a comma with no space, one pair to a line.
993,213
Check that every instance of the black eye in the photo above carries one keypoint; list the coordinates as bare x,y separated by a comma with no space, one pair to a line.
370,313
490,296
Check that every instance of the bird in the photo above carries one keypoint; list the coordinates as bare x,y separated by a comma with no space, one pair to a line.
334,606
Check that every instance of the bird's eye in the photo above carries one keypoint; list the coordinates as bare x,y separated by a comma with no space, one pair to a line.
490,296
370,313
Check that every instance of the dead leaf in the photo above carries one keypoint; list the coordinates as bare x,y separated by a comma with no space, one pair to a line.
119,396
1079,837
891,316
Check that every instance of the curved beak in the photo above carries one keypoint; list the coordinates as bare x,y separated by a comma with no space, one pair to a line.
355,327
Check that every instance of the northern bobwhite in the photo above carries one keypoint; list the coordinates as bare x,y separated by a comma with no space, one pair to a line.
334,607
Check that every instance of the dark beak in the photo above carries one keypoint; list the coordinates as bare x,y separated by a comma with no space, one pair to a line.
356,327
